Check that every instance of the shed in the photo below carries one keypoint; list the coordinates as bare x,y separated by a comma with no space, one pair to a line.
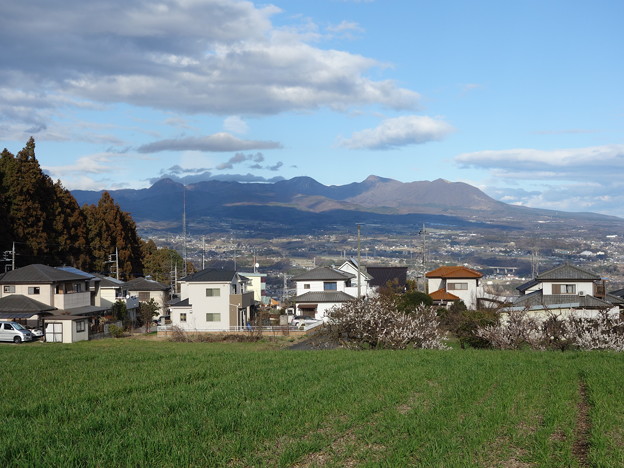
66,328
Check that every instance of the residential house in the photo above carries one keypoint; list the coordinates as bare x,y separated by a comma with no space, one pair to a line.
362,276
213,300
449,284
145,289
257,284
112,290
322,288
564,289
382,276
37,287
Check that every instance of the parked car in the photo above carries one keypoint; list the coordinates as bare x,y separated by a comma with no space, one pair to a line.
300,320
13,331
36,333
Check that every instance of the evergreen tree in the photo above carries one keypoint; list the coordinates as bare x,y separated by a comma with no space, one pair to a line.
161,262
109,228
70,230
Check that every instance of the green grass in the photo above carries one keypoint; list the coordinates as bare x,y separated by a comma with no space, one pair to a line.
144,403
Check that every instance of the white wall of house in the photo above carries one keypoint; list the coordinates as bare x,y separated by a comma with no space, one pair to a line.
467,289
568,287
160,297
106,297
311,286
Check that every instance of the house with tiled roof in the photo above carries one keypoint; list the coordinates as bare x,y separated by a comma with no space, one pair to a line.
44,292
322,288
145,289
450,284
564,289
213,300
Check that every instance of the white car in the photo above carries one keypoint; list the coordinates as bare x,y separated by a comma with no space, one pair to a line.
36,333
302,320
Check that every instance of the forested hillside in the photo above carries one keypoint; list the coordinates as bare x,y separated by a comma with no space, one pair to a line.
48,226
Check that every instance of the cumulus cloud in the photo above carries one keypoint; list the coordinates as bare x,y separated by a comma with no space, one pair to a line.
218,142
210,57
235,124
397,132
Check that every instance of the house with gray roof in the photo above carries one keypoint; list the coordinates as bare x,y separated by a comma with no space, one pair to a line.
42,290
322,288
213,300
145,289
566,289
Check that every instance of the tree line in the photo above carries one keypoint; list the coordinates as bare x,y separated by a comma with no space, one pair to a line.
46,224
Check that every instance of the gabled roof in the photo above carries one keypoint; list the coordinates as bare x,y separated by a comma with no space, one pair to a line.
39,274
381,275
553,301
443,295
18,303
108,282
209,275
182,303
76,271
527,285
354,264
143,284
567,272
454,272
324,296
323,273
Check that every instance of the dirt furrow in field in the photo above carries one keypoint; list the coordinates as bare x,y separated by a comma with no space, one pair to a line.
580,449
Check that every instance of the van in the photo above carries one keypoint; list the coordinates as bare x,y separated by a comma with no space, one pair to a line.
13,331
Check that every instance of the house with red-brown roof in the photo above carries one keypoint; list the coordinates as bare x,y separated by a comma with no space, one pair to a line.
449,284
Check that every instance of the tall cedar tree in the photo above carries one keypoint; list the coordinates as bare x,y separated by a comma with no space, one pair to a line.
5,226
70,229
28,192
111,228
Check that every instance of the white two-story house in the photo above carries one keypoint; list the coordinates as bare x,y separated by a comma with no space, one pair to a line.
322,288
449,284
564,289
213,300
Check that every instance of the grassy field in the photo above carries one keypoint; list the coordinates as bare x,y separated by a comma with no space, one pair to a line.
141,403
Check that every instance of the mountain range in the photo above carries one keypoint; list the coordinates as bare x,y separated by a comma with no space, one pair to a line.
303,205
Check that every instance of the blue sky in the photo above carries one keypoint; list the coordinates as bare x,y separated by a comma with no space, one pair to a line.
521,99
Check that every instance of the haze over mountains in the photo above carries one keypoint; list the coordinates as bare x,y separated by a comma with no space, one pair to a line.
303,205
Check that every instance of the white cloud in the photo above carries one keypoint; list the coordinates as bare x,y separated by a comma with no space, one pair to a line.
397,132
218,142
235,124
214,56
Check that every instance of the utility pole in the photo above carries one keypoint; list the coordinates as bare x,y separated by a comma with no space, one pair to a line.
203,252
359,261
184,227
423,233
13,257
117,262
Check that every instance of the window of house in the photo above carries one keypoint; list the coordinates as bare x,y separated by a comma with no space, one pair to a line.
182,316
306,286
9,288
144,296
457,286
330,286
34,290
564,289
77,287
80,325
213,317
213,292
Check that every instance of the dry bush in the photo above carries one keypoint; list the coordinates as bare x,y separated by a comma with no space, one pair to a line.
520,329
379,323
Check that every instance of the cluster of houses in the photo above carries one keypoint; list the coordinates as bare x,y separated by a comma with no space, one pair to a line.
71,305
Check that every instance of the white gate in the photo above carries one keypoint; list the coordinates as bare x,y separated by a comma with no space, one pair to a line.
54,332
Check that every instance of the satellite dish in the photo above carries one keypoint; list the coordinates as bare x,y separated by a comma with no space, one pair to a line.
257,265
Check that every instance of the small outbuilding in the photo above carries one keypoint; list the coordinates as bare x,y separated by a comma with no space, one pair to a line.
66,328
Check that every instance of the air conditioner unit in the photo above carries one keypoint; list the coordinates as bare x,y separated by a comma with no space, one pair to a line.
581,293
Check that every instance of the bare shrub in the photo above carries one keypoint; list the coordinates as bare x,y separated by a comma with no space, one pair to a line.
519,329
178,334
378,323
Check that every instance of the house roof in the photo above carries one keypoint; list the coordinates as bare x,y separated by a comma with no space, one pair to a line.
567,272
143,284
182,303
85,310
89,276
324,296
323,273
354,264
23,305
527,285
108,282
443,295
382,275
453,272
537,298
211,275
39,274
